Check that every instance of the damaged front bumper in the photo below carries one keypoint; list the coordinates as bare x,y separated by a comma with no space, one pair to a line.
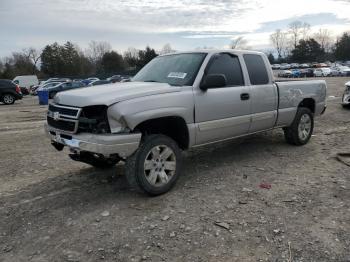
123,145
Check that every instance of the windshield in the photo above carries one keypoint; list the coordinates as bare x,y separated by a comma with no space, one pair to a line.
177,69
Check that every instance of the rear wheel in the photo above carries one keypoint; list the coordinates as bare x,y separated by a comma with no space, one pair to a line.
155,166
299,133
8,99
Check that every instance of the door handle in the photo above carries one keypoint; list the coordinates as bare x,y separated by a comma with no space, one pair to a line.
245,96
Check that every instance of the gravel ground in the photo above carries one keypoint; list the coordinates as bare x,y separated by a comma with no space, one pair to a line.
54,209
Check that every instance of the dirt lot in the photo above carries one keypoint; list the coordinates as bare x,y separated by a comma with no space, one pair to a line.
53,209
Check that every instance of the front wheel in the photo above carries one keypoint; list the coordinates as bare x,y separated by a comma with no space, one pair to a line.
155,166
299,133
8,99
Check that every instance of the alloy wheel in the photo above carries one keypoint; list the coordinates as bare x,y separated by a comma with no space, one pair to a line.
160,165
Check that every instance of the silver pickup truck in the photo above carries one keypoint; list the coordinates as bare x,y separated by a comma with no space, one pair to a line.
176,102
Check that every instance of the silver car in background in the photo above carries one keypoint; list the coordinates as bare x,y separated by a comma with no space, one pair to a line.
346,95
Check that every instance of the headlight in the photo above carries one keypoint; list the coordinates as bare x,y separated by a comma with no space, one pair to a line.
93,119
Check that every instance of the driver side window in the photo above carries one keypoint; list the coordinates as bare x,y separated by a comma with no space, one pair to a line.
229,66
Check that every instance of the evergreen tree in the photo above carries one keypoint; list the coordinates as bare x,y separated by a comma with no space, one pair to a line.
112,63
342,47
145,56
307,50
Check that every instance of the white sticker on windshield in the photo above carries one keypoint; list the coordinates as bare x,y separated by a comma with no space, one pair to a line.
177,75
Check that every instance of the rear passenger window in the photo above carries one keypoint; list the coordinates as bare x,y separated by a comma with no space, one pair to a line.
229,66
256,69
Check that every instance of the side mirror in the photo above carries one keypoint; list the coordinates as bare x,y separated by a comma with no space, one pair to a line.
213,81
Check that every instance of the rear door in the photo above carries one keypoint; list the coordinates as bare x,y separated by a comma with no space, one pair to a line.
223,112
263,93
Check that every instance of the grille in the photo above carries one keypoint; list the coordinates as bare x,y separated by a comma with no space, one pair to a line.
73,112
64,125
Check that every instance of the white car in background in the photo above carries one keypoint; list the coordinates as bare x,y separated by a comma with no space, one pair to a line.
285,66
25,82
346,95
343,70
324,71
93,79
276,66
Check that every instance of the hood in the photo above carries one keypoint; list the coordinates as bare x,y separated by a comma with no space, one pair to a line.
112,93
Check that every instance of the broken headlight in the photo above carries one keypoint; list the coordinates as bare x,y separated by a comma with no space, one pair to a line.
93,119
347,89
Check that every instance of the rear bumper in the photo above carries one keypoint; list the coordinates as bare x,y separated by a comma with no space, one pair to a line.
123,145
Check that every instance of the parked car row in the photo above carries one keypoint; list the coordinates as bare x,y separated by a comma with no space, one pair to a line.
318,72
286,66
56,85
30,83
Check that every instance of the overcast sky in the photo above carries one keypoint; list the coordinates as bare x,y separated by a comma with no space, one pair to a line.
185,24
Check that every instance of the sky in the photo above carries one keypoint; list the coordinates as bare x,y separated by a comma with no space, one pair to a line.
184,24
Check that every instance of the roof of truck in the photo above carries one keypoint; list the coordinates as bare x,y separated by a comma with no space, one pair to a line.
211,51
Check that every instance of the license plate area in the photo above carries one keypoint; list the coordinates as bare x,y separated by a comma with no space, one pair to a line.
57,138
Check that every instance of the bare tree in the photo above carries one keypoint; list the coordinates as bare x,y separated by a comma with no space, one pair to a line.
239,43
34,56
2,66
298,30
305,31
96,50
131,57
279,40
325,39
166,49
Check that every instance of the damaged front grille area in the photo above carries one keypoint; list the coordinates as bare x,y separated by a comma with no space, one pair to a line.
63,118
64,125
93,119
70,112
90,119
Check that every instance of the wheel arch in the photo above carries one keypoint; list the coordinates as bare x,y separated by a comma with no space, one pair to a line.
173,126
308,103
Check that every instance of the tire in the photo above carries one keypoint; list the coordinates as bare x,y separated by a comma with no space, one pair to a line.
300,131
8,99
161,173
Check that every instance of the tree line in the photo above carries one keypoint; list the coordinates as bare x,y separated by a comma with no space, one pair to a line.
297,44
68,60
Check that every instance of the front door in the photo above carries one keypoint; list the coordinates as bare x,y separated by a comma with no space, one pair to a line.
223,112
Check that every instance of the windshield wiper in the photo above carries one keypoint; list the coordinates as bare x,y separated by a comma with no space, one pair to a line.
154,81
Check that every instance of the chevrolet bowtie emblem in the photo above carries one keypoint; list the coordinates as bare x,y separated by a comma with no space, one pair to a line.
56,115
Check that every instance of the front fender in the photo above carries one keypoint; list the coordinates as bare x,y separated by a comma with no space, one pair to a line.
135,111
